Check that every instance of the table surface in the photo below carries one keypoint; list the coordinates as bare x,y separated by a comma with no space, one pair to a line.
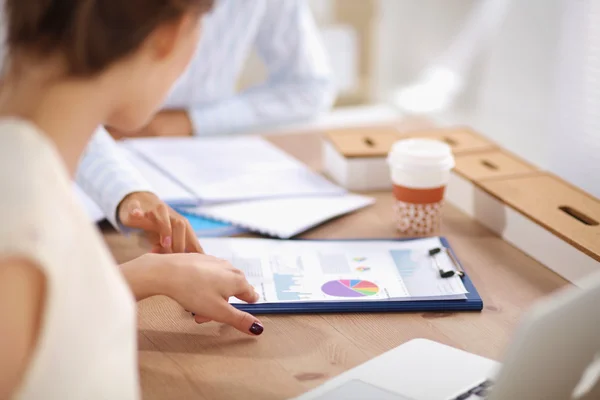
182,360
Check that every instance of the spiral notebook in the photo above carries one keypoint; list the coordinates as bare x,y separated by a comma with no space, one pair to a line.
243,181
283,218
200,171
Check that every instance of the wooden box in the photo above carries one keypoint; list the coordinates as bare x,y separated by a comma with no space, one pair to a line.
462,140
545,217
491,164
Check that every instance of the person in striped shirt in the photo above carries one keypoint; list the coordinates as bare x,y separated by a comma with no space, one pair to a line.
298,86
204,101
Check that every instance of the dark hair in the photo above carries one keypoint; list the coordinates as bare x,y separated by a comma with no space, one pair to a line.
90,34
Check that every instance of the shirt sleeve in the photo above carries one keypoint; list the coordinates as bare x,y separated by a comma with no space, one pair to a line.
299,84
107,177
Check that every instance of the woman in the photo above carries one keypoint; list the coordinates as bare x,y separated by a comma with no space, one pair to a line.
67,310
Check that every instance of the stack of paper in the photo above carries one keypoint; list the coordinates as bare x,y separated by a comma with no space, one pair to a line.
168,189
244,181
217,170
308,271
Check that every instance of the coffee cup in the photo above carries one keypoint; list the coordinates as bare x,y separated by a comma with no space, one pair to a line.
420,170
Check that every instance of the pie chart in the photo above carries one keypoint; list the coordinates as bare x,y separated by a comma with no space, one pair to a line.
350,288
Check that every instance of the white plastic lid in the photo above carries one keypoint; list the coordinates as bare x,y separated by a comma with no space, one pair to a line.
419,154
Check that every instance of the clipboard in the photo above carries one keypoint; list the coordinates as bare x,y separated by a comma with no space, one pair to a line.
473,302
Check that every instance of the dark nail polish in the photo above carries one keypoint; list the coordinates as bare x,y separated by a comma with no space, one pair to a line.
193,314
256,329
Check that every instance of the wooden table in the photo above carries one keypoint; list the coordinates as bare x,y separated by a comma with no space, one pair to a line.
182,360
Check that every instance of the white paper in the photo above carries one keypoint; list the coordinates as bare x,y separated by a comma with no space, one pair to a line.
163,186
283,218
318,271
231,169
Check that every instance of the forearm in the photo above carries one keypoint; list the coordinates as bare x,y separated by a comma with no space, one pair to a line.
107,177
270,104
22,304
146,277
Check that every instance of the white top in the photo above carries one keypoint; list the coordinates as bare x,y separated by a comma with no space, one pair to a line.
107,176
86,347
299,82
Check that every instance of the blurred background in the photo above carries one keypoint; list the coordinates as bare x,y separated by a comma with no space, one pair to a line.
524,73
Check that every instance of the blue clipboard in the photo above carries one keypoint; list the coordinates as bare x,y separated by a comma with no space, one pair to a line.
473,302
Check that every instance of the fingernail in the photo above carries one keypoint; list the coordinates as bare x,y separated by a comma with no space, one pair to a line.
137,212
256,329
167,241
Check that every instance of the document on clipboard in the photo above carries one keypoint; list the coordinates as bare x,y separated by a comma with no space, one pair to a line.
306,272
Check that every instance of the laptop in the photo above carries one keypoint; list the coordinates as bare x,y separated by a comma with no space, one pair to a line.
555,354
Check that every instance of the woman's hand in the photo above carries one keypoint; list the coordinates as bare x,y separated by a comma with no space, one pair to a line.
201,284
167,231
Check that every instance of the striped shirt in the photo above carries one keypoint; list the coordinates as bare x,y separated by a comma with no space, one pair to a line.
284,35
107,177
299,86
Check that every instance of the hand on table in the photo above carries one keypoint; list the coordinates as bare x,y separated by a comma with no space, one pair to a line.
200,283
168,231
165,123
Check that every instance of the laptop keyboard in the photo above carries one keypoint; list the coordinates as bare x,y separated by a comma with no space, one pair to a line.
479,392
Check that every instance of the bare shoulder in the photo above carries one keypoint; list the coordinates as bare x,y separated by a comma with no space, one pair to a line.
22,298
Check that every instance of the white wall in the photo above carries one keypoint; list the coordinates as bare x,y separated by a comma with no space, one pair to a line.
322,10
516,95
410,34
575,145
510,94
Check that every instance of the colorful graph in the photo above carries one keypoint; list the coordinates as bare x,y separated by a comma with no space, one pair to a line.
289,288
404,263
350,288
363,269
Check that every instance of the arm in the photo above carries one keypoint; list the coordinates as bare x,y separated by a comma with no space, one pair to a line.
127,199
145,277
106,177
22,296
299,84
200,283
